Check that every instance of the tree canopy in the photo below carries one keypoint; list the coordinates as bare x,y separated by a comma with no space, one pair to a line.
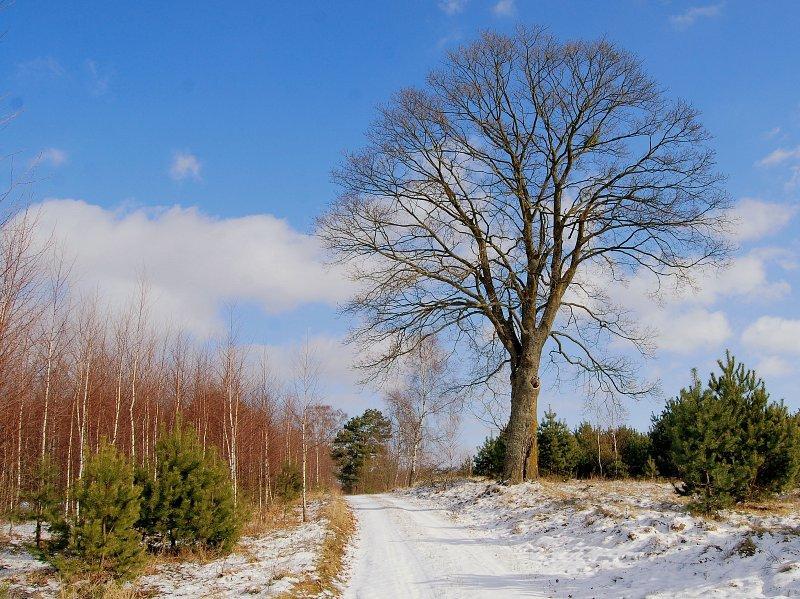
499,201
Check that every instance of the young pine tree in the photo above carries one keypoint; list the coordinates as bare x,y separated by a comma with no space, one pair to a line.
650,469
289,482
188,501
43,495
558,449
727,441
100,538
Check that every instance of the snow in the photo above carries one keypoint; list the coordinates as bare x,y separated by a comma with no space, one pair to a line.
264,565
20,572
406,549
577,539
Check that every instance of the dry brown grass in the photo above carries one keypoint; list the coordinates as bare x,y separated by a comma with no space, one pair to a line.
619,500
198,555
99,590
773,506
341,527
277,516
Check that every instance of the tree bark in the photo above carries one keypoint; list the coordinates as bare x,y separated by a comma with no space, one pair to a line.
522,457
304,451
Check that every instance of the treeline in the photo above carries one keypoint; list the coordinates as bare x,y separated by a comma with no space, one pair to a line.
416,437
722,442
74,371
585,452
372,455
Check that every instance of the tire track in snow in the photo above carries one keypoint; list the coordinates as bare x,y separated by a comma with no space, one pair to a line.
405,550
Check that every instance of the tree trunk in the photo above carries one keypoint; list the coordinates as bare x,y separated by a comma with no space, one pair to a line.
18,490
117,403
316,465
522,452
412,469
599,456
133,405
267,472
46,407
304,451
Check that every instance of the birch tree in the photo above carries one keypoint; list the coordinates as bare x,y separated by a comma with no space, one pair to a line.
53,334
423,405
232,360
306,383
324,422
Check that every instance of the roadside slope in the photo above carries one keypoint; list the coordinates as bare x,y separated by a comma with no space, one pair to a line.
585,539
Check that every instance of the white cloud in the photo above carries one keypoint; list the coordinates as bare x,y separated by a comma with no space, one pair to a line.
40,69
194,263
447,40
746,277
51,157
755,218
774,335
783,156
688,318
185,165
774,132
452,7
340,383
689,331
774,366
779,156
690,16
334,357
794,179
99,78
504,8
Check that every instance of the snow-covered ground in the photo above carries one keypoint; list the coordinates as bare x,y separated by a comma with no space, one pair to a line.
20,572
261,566
579,539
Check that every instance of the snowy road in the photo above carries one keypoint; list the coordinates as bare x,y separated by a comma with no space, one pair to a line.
405,550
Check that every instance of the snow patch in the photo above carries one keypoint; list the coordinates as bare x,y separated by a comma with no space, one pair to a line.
22,574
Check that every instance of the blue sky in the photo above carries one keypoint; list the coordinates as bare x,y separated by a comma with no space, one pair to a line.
242,109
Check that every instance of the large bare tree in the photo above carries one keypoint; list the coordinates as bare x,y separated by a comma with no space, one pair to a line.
500,200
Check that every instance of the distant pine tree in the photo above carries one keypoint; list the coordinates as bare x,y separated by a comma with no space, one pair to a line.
489,457
358,444
100,537
188,502
634,450
558,449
